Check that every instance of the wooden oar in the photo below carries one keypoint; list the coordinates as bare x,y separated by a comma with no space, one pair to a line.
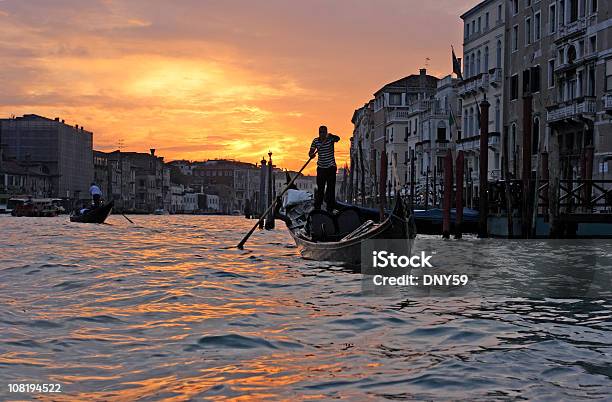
263,216
132,222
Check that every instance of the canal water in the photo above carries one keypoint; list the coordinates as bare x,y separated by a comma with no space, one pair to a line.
162,310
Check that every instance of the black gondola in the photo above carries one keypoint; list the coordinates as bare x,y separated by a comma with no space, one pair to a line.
93,215
327,238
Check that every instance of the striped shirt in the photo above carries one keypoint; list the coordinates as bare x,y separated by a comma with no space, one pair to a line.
326,150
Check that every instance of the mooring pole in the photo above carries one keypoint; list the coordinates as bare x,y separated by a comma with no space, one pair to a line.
412,179
484,168
262,190
507,182
270,218
448,190
526,170
427,190
459,194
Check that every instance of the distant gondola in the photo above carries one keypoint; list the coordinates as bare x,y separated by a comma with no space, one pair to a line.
338,237
93,215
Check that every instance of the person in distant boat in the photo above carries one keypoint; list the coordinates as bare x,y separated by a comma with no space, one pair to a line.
95,193
326,168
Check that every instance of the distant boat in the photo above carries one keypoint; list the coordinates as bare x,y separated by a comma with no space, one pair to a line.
93,215
161,211
339,237
429,221
36,207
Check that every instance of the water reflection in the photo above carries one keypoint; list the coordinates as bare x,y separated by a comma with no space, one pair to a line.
160,310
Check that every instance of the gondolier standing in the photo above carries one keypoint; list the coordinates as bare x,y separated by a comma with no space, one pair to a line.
95,193
326,168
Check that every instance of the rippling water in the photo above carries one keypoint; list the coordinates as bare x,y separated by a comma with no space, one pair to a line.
160,310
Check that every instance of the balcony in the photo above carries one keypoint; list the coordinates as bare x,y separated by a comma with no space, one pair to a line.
483,82
607,102
496,78
399,116
574,28
494,141
467,87
574,109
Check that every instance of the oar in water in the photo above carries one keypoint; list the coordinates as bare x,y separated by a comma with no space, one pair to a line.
263,216
132,222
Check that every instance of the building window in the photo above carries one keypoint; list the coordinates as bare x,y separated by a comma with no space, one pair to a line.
486,59
527,31
535,78
593,6
593,44
478,63
515,30
552,18
515,7
487,21
609,75
514,83
406,133
535,145
479,25
537,26
526,81
551,73
497,115
499,54
499,12
561,12
395,99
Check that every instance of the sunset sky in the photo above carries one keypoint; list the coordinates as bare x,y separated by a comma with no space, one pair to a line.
201,79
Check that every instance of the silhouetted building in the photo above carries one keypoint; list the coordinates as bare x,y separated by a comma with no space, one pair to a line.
64,151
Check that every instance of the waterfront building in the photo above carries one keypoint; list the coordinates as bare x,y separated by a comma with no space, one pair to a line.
362,178
19,179
483,78
436,134
151,180
240,181
391,107
62,150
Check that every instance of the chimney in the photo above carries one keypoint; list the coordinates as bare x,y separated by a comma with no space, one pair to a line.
422,77
152,151
57,119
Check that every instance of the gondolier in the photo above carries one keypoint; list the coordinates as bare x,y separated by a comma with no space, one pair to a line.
95,193
326,168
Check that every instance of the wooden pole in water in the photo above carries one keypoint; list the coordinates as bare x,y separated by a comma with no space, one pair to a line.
507,189
412,179
435,185
484,168
270,218
588,153
382,184
262,190
459,194
427,190
448,190
526,170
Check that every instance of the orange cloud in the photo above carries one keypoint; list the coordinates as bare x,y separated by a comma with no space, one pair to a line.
225,79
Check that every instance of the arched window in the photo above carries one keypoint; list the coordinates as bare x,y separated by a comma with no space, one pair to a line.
471,122
535,136
486,59
478,63
499,54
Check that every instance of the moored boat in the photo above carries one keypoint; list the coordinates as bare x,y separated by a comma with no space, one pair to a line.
93,214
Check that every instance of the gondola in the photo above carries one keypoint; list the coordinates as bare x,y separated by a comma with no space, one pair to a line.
361,224
93,215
